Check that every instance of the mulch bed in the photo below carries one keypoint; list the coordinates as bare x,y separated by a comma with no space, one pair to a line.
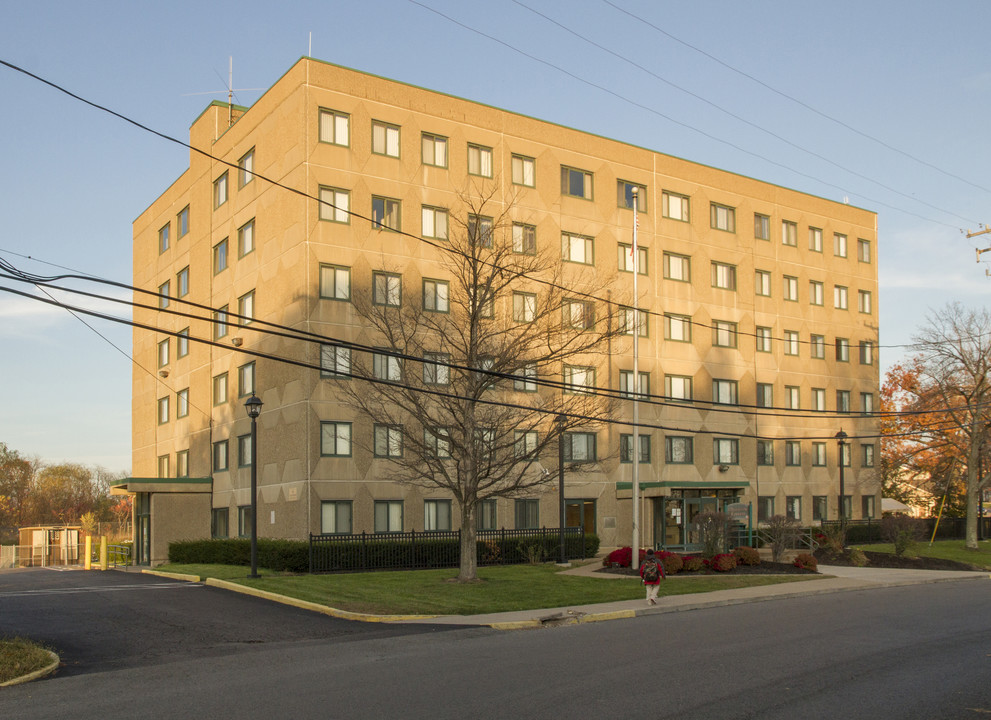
890,560
765,568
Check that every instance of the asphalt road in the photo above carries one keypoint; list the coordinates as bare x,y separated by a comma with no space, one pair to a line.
906,652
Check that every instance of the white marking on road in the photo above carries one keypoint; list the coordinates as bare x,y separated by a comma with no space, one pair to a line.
114,588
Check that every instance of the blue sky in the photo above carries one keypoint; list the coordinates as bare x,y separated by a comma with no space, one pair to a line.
73,179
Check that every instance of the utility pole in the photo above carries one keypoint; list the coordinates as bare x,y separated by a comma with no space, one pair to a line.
980,251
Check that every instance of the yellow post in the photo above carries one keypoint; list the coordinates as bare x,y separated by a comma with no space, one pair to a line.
104,562
88,559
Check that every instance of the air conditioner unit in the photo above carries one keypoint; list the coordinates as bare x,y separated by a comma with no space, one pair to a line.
237,342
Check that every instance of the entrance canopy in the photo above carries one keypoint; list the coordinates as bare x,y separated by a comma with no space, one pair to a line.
128,486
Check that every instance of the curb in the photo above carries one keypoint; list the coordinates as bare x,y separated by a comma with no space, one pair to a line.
37,674
173,576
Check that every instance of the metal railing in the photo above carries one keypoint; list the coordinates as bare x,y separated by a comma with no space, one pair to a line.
433,549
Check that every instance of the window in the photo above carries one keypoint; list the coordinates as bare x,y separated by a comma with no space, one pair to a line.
576,248
526,378
163,291
437,441
763,335
867,458
220,389
819,399
386,367
246,380
722,217
220,191
182,464
335,517
765,452
626,448
220,257
793,453
818,345
867,507
163,466
678,387
479,160
723,333
527,514
579,314
765,508
526,443
793,397
819,507
246,308
725,451
182,343
815,292
840,297
163,239
866,403
845,457
335,361
866,352
864,250
625,263
791,342
182,282
762,283
487,515
385,139
789,233
335,127
436,368
626,388
524,171
163,353
335,439
790,288
677,267
246,238
524,239
762,227
387,289
386,213
334,205
842,401
724,392
634,321
436,296
793,507
480,230
335,282
220,323
576,183
244,451
815,239
723,276
675,207
864,301
839,245
436,514
624,195
220,456
388,441
163,410
765,395
578,380
245,168
434,149
182,222
182,403
524,307
433,223
244,521
842,350
677,328
678,450
388,516
818,454
579,447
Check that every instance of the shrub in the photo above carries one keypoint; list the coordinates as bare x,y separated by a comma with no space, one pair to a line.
671,561
806,562
723,562
747,555
691,563
713,529
856,534
621,557
902,531
833,537
781,532
857,558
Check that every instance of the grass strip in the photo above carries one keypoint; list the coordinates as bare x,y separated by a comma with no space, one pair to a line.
19,657
944,550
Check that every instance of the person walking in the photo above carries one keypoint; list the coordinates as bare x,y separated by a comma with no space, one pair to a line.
652,572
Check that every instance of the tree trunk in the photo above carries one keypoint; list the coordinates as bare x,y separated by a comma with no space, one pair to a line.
468,568
973,493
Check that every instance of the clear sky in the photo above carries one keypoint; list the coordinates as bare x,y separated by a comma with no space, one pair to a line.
885,104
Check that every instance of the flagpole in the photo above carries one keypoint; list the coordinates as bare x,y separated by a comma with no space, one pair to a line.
635,545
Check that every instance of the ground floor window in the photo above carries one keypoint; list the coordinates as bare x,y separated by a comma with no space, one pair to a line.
388,516
527,514
244,521
436,514
765,508
335,516
793,507
487,515
819,508
218,522
868,506
580,513
847,501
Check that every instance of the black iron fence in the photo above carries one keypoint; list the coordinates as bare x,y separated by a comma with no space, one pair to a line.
949,528
434,549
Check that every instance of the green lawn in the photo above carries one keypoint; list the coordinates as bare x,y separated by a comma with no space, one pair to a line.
943,549
19,657
433,592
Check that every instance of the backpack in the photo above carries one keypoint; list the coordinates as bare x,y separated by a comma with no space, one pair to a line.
650,571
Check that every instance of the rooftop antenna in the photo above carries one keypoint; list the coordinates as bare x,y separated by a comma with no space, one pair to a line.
229,89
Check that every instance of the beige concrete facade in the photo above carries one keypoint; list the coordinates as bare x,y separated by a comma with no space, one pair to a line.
809,285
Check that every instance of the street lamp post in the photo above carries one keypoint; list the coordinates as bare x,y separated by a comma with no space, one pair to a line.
561,420
841,439
254,407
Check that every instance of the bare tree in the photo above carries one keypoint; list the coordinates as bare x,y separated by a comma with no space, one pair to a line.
956,367
462,381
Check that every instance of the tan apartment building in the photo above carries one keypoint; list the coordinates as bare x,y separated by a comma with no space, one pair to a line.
759,342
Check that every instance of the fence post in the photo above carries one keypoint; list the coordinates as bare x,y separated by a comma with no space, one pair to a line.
412,549
364,552
311,554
